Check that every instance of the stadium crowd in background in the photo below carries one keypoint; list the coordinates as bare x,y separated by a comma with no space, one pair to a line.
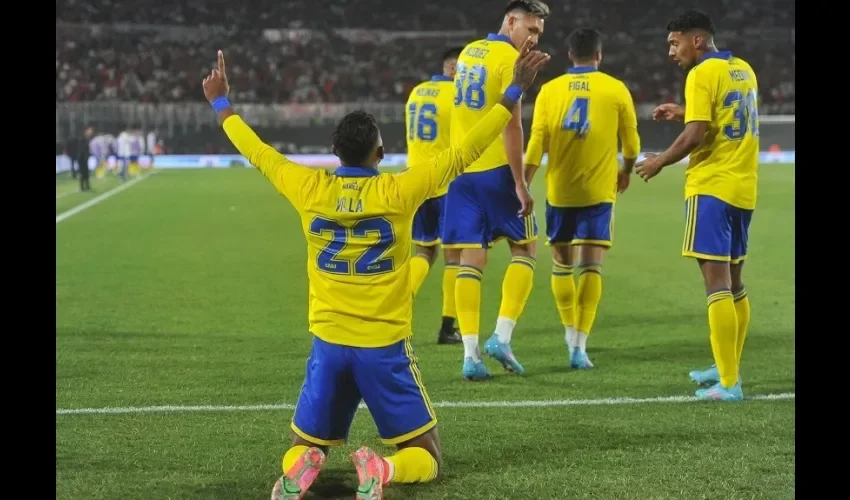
287,51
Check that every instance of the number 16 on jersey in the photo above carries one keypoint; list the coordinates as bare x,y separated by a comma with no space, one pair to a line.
422,125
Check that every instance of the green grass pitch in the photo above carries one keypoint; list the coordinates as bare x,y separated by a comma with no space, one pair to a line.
190,289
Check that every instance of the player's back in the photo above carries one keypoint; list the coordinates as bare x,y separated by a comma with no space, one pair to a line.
723,90
428,120
582,115
357,224
484,71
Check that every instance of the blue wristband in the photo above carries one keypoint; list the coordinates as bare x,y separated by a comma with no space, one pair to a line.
513,92
219,104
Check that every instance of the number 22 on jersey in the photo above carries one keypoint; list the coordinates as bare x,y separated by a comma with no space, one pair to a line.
422,126
370,261
469,86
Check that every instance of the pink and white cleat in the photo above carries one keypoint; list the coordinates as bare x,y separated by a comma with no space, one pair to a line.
371,471
294,484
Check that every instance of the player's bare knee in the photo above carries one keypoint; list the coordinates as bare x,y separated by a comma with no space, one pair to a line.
737,278
563,254
475,257
451,255
716,275
523,249
590,254
429,253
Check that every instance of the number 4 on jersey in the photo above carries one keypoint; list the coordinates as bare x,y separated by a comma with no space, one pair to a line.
577,117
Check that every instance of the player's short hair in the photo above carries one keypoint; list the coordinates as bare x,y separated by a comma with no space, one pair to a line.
355,137
535,8
692,20
584,42
452,53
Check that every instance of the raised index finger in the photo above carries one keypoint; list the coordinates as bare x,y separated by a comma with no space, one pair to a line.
221,62
526,46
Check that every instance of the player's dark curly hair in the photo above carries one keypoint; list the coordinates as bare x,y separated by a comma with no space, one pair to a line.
355,137
452,53
535,8
692,20
584,42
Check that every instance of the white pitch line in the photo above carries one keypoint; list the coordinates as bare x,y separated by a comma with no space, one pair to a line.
105,196
439,404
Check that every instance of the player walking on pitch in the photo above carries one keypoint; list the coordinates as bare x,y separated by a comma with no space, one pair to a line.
358,224
722,137
428,122
578,118
491,201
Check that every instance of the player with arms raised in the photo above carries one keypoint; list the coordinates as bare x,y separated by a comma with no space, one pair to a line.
578,118
491,201
358,224
428,121
721,136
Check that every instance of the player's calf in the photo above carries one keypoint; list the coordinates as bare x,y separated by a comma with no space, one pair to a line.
449,333
420,265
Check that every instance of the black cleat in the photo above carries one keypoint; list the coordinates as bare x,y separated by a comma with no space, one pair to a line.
449,337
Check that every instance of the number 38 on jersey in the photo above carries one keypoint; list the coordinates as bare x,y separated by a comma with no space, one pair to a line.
469,86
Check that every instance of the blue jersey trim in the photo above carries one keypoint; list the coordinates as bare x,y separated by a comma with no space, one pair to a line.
726,54
581,69
344,171
493,37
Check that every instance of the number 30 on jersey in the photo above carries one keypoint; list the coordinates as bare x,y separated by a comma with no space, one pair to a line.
745,114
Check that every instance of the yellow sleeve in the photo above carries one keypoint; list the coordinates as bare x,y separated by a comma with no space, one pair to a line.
539,142
629,137
417,184
289,178
697,97
506,70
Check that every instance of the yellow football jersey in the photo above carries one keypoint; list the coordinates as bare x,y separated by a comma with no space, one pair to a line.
578,118
485,69
723,91
428,120
358,223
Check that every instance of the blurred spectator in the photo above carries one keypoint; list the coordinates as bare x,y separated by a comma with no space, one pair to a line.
293,51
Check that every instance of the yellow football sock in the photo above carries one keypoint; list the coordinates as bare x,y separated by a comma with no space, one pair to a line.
588,296
468,299
516,287
723,322
419,267
412,465
449,278
564,290
742,311
291,456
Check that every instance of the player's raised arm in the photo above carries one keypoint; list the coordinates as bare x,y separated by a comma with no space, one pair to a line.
288,177
453,161
539,142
